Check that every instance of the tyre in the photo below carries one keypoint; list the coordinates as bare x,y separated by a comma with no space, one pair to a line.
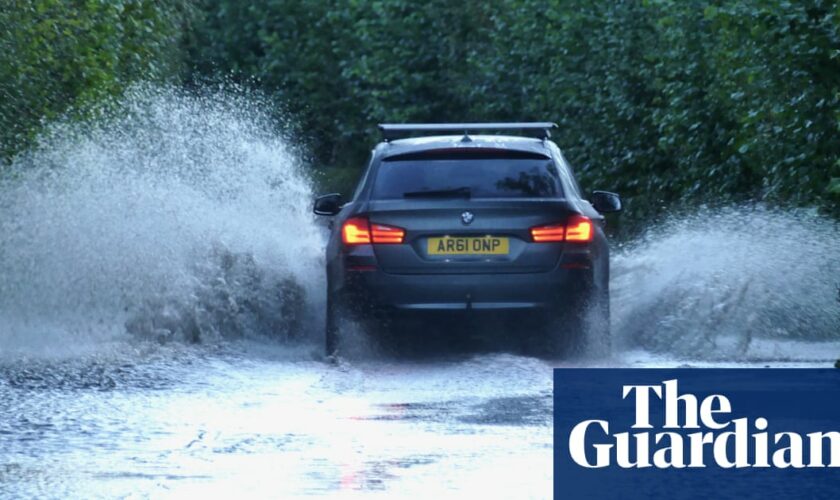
552,334
331,330
579,327
597,324
569,333
357,324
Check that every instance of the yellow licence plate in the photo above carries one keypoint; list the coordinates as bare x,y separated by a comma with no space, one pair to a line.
468,245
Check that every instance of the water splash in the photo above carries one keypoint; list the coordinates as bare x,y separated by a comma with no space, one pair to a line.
723,284
169,214
185,216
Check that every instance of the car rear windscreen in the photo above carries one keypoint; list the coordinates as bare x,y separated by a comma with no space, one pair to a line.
513,175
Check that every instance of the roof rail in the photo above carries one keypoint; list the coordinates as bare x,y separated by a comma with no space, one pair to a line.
397,130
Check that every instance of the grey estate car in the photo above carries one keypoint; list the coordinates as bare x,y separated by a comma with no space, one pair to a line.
453,222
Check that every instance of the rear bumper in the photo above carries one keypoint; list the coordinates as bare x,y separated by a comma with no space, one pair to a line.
453,292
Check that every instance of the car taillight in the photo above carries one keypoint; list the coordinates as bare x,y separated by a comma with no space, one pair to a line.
545,234
386,234
577,229
357,231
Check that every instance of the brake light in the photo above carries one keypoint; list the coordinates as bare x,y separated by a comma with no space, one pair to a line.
386,234
357,231
544,234
577,229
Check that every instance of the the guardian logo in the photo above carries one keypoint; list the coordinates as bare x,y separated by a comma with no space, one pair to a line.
695,432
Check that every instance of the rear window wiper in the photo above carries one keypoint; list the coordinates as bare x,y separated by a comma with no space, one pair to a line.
463,191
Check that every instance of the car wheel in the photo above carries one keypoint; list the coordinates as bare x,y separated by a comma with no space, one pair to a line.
348,323
579,327
331,326
597,324
569,335
555,333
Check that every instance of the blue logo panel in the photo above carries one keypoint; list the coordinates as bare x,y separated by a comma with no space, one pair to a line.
696,433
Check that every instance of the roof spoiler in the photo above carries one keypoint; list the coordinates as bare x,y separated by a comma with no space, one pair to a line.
396,130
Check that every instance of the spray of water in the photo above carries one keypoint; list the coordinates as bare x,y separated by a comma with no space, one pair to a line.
185,216
725,284
167,215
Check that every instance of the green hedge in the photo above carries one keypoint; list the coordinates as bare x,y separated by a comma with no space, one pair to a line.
61,54
666,101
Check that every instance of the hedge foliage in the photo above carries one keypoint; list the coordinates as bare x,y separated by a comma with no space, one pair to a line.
664,101
61,54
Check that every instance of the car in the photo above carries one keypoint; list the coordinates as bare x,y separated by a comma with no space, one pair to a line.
455,218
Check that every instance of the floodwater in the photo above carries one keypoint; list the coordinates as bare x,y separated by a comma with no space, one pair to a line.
161,298
256,419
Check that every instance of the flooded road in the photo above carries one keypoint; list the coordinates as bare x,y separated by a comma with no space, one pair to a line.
225,423
259,419
161,322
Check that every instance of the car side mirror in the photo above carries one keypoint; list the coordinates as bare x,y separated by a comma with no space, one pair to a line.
328,204
606,202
